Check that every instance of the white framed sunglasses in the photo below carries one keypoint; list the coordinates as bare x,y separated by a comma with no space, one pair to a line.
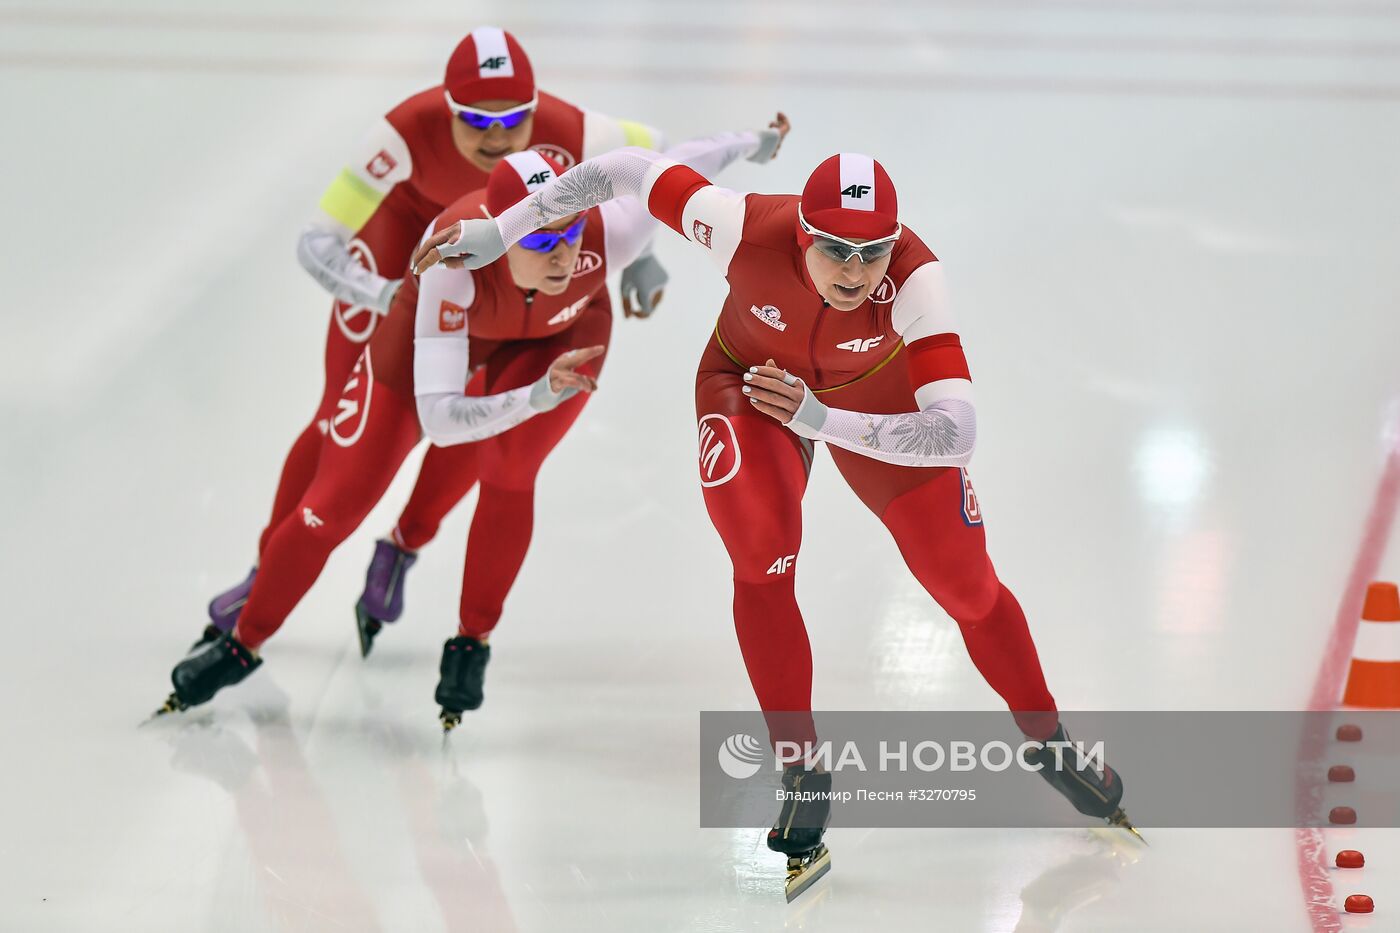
841,250
479,119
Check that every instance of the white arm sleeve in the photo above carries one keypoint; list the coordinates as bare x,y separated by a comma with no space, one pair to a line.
627,231
325,254
617,174
441,355
943,432
941,435
381,161
602,133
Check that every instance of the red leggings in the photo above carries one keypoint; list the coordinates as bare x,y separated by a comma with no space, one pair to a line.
754,473
377,428
383,246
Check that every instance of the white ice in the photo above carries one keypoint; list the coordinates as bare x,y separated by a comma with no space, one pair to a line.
1171,232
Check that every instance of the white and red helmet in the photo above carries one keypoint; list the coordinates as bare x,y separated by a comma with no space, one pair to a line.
517,176
489,64
851,196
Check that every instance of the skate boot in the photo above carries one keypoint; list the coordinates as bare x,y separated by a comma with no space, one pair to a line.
382,600
221,663
224,610
463,669
1092,793
801,823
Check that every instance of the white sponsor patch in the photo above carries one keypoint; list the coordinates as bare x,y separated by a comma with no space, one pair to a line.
492,53
857,181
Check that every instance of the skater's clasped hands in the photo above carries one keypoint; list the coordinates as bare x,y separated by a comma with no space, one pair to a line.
563,372
775,392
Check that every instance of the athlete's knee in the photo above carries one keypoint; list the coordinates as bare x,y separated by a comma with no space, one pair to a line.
969,595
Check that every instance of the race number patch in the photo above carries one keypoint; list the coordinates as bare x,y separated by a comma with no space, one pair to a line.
971,511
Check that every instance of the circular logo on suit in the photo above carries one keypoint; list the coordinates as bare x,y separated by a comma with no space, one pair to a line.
357,322
588,261
557,153
884,292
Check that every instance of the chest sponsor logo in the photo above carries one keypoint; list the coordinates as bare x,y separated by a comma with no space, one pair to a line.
451,317
702,234
588,261
557,153
569,313
770,316
884,292
382,164
357,322
858,345
719,451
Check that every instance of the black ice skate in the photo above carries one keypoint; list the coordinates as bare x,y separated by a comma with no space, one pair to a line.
801,823
1092,793
463,669
219,664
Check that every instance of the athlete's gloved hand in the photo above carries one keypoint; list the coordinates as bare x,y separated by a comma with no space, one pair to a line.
783,397
386,296
643,283
771,139
468,244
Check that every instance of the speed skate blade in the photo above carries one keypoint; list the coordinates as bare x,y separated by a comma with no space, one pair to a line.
1120,820
367,627
806,872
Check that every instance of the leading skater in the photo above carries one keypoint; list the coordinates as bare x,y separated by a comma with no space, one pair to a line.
522,337
837,328
431,149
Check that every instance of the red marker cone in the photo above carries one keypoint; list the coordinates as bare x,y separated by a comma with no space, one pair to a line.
1374,679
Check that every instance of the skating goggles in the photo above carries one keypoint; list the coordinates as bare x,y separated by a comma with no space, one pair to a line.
479,119
544,241
834,247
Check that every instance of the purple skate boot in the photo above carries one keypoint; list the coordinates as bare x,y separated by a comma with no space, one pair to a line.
224,610
382,600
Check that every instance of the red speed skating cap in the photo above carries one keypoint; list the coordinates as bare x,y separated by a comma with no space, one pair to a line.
517,176
851,196
489,65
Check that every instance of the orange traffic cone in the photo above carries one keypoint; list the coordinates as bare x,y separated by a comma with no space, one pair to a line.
1374,679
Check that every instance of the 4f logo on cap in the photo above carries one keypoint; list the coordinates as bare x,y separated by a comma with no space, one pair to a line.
494,63
702,234
855,191
451,317
540,178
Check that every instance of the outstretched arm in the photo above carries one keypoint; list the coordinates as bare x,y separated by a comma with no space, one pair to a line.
941,433
630,171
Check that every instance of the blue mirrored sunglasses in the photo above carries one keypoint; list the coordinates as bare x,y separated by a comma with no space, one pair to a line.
483,121
544,241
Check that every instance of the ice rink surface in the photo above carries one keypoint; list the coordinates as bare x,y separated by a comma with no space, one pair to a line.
1171,233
